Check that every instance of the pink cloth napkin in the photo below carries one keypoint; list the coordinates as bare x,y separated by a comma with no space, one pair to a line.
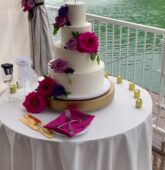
83,121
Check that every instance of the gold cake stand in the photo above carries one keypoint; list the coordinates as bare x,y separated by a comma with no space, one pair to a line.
87,105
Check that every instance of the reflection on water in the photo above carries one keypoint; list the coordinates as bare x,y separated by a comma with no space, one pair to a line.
148,12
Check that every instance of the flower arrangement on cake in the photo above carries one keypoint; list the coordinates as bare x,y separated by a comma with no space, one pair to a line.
61,19
86,42
28,5
62,66
38,100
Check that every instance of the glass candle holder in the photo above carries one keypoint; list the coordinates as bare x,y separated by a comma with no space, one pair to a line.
136,93
119,80
131,86
13,88
138,103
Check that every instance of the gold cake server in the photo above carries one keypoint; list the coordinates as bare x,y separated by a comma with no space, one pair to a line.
35,127
38,122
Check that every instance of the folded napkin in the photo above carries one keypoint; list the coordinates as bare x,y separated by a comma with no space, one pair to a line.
79,121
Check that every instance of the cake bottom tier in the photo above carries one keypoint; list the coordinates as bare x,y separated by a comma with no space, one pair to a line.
87,105
87,83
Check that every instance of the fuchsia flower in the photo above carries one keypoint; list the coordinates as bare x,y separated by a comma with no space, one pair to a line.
26,8
59,65
61,21
35,103
72,44
46,87
28,5
88,42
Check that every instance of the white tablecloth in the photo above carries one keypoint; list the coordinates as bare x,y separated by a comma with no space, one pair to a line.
120,138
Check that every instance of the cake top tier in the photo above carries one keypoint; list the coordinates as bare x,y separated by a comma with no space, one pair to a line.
76,13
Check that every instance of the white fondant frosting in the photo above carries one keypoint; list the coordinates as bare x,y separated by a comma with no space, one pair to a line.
78,61
82,83
88,76
66,31
76,13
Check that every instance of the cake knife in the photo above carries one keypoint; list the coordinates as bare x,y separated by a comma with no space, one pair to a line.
35,127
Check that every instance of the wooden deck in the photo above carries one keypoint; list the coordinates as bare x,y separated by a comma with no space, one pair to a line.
158,145
158,153
158,161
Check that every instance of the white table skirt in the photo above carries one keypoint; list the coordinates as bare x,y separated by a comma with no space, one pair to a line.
120,138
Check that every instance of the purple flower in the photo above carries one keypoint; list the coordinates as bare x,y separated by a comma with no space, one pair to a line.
72,44
59,65
63,11
61,21
30,3
59,91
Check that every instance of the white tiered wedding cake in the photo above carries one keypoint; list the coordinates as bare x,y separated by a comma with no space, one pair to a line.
87,75
76,73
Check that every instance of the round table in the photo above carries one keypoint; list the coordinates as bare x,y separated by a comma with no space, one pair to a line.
119,138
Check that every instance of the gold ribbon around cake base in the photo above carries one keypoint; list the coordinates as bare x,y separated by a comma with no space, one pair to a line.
88,105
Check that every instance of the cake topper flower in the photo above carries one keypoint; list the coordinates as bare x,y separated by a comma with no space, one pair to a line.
61,19
86,42
62,66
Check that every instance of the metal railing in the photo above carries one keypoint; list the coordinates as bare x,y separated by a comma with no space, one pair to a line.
134,51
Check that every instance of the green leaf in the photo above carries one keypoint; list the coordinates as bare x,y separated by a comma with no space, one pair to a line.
75,34
55,30
93,56
98,59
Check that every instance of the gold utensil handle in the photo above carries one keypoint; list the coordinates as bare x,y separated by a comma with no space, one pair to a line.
37,122
24,121
49,136
35,127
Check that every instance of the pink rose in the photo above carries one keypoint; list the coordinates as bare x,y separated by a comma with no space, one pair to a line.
61,21
72,44
59,65
46,87
35,103
88,42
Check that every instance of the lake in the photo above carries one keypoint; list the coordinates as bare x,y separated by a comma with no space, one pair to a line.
148,12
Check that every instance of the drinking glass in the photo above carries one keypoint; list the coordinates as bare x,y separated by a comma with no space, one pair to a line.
7,73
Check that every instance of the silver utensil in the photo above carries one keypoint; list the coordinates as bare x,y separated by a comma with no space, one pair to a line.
68,122
68,116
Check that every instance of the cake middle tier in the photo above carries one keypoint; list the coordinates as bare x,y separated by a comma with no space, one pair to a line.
80,62
82,83
66,31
